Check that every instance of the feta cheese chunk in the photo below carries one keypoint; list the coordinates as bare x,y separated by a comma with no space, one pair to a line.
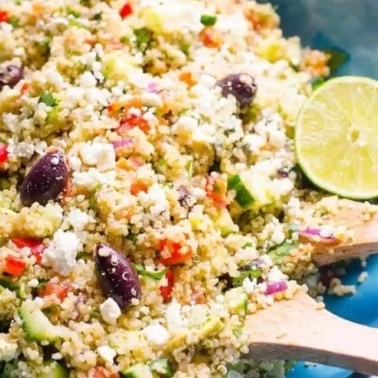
101,155
106,353
62,251
110,311
156,334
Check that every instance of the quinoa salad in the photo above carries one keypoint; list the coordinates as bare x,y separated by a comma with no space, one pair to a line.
150,198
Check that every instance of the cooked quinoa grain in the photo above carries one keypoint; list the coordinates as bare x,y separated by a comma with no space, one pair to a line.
150,198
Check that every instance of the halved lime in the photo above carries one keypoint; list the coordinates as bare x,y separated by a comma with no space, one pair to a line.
336,137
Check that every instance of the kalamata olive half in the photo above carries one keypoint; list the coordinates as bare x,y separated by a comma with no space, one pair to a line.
242,86
45,180
10,75
117,277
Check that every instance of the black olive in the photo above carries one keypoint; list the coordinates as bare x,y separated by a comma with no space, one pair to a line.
242,86
46,179
117,277
10,75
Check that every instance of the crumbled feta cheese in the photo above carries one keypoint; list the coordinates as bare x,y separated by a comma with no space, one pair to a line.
62,251
74,163
110,311
92,178
248,286
33,283
101,155
275,275
173,316
156,334
156,199
106,353
78,219
8,350
151,99
87,80
24,150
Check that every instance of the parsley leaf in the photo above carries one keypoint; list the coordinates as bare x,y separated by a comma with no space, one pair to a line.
156,276
48,99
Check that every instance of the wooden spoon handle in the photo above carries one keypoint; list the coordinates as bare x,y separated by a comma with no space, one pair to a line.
296,329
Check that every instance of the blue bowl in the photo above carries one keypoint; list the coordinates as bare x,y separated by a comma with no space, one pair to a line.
350,26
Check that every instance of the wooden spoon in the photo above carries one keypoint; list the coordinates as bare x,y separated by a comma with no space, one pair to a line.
351,214
297,329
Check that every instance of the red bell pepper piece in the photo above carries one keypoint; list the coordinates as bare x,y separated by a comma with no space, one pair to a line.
166,291
36,246
126,10
14,266
177,253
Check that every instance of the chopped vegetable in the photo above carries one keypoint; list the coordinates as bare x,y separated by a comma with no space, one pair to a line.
172,253
216,189
166,290
3,152
250,272
59,289
142,38
14,266
243,197
208,20
48,99
130,121
156,276
137,187
36,246
126,10
101,372
211,38
279,252
162,367
4,16
276,287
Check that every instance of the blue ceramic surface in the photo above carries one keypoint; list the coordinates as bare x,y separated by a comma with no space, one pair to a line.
352,26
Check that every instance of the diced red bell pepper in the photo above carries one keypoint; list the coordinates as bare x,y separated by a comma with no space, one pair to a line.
131,121
217,191
3,153
126,10
14,266
176,253
4,16
60,289
101,372
166,291
36,246
137,187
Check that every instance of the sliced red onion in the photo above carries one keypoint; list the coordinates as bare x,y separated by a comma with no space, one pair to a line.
275,287
309,231
152,87
123,143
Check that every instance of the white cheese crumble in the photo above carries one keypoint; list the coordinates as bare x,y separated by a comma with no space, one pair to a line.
106,353
8,350
62,251
156,334
101,155
110,311
173,316
78,219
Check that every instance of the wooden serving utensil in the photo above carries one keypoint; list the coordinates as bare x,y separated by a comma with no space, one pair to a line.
297,329
365,242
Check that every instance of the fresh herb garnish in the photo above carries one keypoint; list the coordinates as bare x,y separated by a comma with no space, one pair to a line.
48,99
142,38
156,276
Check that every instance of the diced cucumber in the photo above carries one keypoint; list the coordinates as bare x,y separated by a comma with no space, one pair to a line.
279,252
54,370
252,190
138,371
8,282
36,324
251,273
236,301
211,327
162,367
223,220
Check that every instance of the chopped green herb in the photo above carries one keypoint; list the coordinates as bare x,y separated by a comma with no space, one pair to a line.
337,59
48,99
208,20
248,244
124,39
189,168
75,23
45,47
251,273
132,237
14,21
156,276
142,38
97,16
238,331
184,47
73,13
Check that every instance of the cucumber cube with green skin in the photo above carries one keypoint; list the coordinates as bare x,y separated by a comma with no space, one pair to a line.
36,324
161,367
54,370
223,220
279,252
236,301
243,197
138,371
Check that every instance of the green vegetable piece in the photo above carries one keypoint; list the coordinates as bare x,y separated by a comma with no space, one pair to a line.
54,370
243,196
48,99
162,367
208,20
137,371
156,276
279,252
142,38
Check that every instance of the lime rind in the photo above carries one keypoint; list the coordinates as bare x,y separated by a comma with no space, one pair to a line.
336,138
